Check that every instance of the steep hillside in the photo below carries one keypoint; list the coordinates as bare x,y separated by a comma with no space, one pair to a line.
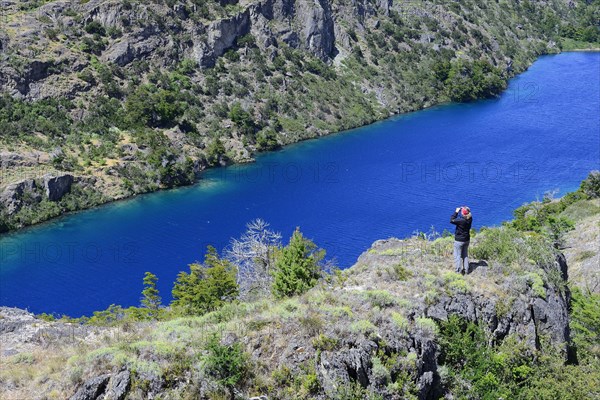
375,327
113,98
399,324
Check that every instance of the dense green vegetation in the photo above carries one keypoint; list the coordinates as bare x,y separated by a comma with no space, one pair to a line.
228,364
585,325
547,217
475,370
151,299
207,287
466,81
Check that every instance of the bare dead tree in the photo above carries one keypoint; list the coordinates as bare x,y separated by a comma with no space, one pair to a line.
252,253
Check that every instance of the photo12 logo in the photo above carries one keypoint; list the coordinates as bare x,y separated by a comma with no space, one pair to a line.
289,172
526,92
524,172
69,253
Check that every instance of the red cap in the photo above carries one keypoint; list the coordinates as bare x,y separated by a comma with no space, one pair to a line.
465,210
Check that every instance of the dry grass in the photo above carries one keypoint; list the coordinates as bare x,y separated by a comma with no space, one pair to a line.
583,246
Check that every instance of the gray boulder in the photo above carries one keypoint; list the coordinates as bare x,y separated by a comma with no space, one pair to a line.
120,53
349,364
13,197
118,386
57,186
10,159
92,389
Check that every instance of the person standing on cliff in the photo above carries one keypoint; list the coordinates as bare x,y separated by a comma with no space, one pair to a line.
463,219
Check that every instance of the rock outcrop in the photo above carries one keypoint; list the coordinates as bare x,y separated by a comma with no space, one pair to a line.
57,186
92,389
29,192
26,159
22,332
106,387
523,311
304,24
353,363
118,386
17,194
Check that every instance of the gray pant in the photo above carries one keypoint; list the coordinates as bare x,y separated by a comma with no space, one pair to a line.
461,256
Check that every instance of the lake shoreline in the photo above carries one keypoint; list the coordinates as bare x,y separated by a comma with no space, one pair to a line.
199,175
203,170
592,50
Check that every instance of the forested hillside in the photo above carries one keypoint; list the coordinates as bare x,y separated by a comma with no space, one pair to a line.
112,98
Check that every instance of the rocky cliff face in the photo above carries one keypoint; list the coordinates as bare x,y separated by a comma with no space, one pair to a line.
29,191
151,32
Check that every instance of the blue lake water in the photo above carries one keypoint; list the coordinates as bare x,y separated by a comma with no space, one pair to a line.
344,191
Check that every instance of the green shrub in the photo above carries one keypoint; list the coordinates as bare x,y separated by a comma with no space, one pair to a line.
206,287
266,139
380,298
508,246
324,343
241,118
297,267
427,325
400,272
400,320
498,244
363,326
559,226
381,374
537,284
591,185
229,365
150,296
299,384
585,324
95,27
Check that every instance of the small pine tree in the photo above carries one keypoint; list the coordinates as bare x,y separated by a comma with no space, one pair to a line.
206,287
591,185
150,296
228,364
297,267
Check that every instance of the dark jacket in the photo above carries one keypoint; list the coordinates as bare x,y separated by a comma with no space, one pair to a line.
463,227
